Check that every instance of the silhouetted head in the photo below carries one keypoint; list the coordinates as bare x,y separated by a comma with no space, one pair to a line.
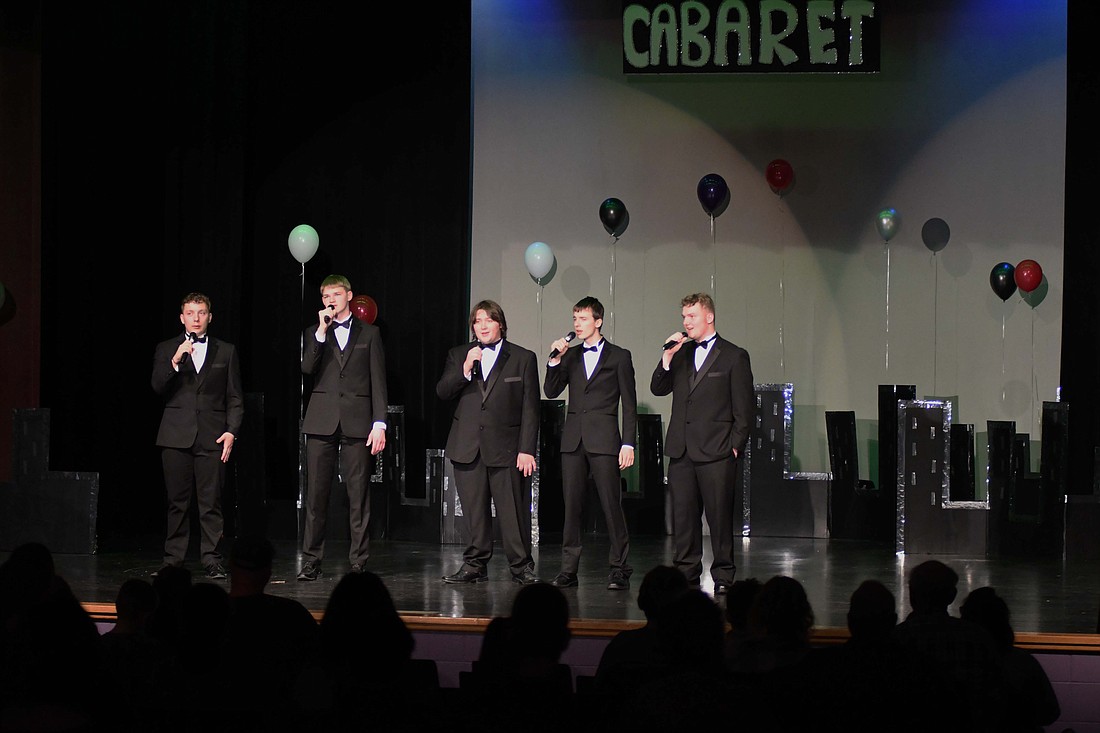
739,600
782,610
135,603
932,587
987,609
250,565
540,620
872,611
660,585
690,631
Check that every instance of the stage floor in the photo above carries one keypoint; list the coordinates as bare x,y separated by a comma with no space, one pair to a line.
1046,596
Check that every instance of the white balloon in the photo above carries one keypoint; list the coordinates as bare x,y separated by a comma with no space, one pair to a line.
539,259
303,242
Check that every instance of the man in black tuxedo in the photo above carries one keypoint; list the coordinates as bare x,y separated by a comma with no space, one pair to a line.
199,378
492,441
345,420
710,380
599,375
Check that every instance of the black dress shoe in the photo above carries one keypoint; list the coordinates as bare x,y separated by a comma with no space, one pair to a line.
216,571
618,580
466,576
310,571
721,587
357,568
565,580
527,577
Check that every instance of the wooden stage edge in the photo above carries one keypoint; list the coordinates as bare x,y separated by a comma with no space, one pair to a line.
596,628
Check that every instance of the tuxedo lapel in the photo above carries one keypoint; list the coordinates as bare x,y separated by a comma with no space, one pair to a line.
708,362
211,352
599,363
498,367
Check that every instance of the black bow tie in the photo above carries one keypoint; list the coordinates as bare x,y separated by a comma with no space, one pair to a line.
346,324
490,347
592,348
195,339
704,344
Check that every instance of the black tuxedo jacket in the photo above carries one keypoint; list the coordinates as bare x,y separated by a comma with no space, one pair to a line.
593,408
198,407
349,386
498,417
711,410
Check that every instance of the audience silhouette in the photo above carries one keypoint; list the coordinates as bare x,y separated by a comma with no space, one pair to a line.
962,651
632,656
185,656
265,674
1029,699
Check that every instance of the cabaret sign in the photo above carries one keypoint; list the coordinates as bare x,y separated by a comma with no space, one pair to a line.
750,36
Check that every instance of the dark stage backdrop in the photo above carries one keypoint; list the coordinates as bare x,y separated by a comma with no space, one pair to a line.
181,143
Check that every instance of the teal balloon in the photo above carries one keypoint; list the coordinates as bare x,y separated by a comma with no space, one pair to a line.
887,224
303,242
539,259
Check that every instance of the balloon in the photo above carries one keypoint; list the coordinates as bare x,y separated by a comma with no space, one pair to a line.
935,234
1028,275
1002,281
539,258
614,217
780,176
887,223
303,242
713,192
364,308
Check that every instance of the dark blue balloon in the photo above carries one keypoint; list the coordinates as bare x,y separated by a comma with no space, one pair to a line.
713,193
1002,278
614,216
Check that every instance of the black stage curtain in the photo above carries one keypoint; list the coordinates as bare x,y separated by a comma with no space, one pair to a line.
181,143
1081,295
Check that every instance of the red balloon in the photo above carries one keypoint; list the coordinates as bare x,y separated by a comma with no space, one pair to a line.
780,175
1028,275
364,308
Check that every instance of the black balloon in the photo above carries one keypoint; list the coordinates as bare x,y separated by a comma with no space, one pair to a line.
935,234
614,217
713,193
1002,278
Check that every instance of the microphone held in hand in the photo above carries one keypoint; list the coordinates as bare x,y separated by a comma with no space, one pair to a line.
328,319
669,344
191,336
568,337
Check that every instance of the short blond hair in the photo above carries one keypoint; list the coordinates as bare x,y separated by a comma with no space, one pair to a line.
703,299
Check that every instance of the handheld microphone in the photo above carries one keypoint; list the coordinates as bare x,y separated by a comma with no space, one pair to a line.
475,369
186,357
328,319
669,344
568,337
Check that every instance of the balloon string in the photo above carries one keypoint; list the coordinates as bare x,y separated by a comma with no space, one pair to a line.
1034,381
614,241
538,301
714,256
782,289
782,312
935,321
301,387
887,309
1003,386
